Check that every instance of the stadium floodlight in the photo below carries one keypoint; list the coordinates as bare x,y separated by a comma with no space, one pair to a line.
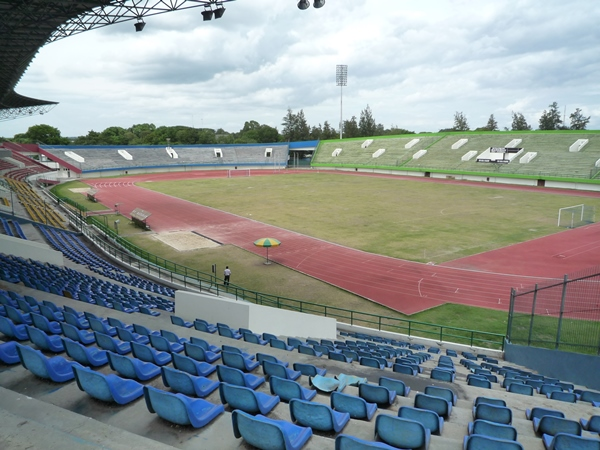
318,3
303,4
219,11
207,14
139,25
341,80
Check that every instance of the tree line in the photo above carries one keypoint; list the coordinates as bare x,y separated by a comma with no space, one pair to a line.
295,128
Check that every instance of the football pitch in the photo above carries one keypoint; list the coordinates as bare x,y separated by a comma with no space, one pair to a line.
407,219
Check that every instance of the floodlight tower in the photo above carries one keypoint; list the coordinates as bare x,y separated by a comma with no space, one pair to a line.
341,80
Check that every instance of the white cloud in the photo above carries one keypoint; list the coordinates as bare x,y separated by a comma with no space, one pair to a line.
413,63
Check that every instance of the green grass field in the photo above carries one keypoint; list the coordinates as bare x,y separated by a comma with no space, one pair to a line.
405,219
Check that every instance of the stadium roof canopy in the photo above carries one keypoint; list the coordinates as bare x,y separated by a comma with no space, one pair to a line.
27,25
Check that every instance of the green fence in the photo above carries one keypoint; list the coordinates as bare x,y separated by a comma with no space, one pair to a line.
560,315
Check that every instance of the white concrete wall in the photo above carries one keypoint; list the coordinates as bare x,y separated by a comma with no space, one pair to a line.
30,250
257,318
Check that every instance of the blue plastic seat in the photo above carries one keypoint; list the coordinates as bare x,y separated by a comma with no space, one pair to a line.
478,381
172,337
569,397
538,411
114,322
87,356
148,354
493,430
441,374
204,344
445,393
489,401
14,331
17,316
186,383
50,314
129,336
335,356
84,337
235,376
260,357
8,353
191,366
108,388
553,425
380,395
57,369
26,307
162,344
122,307
262,432
347,442
518,388
233,349
441,406
565,441
148,311
200,354
43,341
405,369
71,310
591,424
111,344
176,320
202,325
478,441
289,389
590,397
254,339
246,399
179,408
370,362
101,327
395,385
238,361
228,333
306,350
278,343
78,322
141,329
402,433
132,367
317,416
279,370
357,407
310,370
492,413
429,419
547,388
42,323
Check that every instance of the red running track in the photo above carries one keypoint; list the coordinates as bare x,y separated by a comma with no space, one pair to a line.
483,280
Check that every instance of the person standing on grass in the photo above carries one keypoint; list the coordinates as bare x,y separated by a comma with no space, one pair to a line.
226,275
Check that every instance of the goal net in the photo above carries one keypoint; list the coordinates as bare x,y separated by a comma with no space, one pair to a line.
238,173
576,216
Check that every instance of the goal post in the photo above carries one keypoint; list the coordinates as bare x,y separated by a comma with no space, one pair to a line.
238,173
576,216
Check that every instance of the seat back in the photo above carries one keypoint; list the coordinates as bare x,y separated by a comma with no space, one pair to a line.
401,433
195,351
553,425
493,430
403,368
518,388
239,397
40,322
167,405
442,375
376,394
441,406
105,341
230,375
176,320
98,325
76,351
8,328
569,397
285,389
185,363
178,380
355,406
93,383
160,343
258,430
122,364
278,343
306,350
142,352
493,413
429,419
274,369
309,370
252,338
170,336
233,360
479,382
41,339
395,385
33,360
312,414
445,393
370,362
478,441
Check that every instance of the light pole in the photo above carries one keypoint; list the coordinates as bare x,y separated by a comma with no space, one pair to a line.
341,80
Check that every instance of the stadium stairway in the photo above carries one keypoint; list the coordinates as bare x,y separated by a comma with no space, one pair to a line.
47,413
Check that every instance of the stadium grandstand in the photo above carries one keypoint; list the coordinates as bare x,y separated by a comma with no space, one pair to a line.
100,347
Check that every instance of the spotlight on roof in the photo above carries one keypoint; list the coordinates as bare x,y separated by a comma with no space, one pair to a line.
219,11
139,25
318,3
303,4
207,13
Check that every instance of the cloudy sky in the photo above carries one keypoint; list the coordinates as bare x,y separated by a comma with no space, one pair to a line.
415,63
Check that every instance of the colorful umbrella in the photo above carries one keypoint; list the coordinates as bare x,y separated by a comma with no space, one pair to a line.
267,242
